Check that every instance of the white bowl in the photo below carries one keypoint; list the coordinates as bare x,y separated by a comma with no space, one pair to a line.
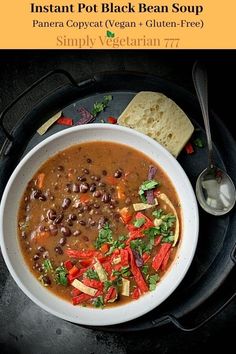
8,225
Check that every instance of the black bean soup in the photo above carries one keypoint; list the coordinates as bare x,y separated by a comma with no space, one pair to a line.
99,224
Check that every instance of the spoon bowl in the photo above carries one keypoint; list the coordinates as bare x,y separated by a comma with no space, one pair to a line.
215,190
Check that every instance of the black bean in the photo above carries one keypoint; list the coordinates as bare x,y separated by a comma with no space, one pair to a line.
45,254
85,170
97,178
53,229
89,160
68,187
58,250
77,233
41,249
36,194
46,280
82,222
82,178
84,187
51,214
36,257
104,172
87,208
118,173
75,188
92,222
41,228
96,206
69,222
65,230
92,187
59,219
43,198
66,203
102,221
72,217
36,265
102,184
60,168
62,241
106,198
40,269
97,194
23,235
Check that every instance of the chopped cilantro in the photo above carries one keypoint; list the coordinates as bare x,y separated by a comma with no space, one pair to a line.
199,143
168,239
104,236
47,265
158,213
124,271
140,246
153,279
99,302
145,269
100,106
107,285
61,275
117,244
92,274
139,222
146,186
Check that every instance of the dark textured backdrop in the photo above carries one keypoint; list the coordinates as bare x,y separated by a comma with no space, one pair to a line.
34,331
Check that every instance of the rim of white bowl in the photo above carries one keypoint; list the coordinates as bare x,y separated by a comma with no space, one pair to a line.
141,311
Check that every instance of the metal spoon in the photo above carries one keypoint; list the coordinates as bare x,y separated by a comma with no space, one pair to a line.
214,188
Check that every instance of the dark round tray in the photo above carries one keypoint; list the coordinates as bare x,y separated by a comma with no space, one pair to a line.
195,300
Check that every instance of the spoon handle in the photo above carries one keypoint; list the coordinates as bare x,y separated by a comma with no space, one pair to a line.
199,75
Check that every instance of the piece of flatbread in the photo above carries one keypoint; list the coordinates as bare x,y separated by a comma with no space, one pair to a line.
159,117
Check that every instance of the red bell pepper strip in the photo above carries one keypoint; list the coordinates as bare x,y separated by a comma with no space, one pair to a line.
104,248
86,262
93,283
108,268
74,271
125,215
68,265
75,292
82,254
159,257
80,299
73,277
165,260
111,294
65,121
157,240
111,120
189,148
146,256
124,255
138,232
137,273
136,294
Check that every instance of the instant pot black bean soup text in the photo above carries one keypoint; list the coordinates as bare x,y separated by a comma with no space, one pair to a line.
99,224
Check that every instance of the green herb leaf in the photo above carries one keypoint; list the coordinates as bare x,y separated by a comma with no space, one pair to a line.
139,222
158,213
47,265
153,279
146,186
144,269
140,246
99,302
61,275
104,236
199,143
92,274
107,285
168,239
100,106
110,34
117,244
124,271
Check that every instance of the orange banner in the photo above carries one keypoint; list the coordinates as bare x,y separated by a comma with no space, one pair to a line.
96,24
